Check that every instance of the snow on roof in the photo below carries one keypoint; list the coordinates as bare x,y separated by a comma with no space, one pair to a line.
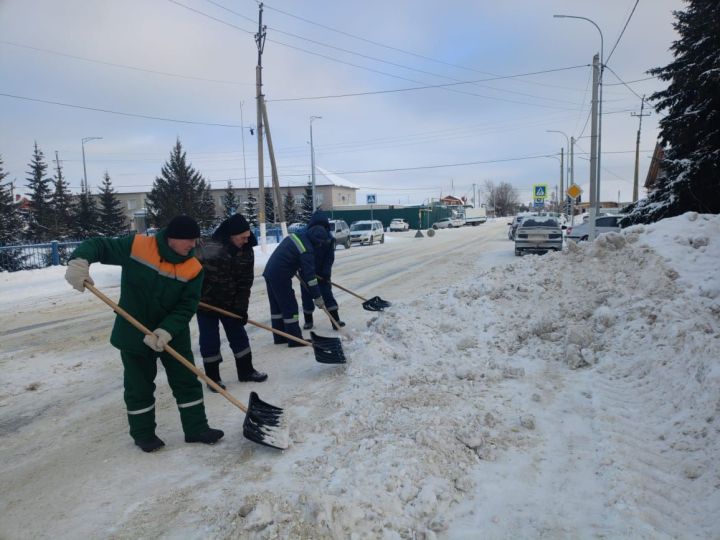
333,179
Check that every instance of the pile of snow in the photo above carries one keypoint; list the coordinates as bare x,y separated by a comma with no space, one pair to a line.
448,394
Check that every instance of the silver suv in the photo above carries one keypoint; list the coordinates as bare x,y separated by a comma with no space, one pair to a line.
341,232
367,232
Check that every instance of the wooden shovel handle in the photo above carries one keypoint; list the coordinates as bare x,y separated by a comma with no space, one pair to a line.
172,352
348,291
254,323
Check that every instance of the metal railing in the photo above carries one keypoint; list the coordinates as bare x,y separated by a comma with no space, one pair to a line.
32,256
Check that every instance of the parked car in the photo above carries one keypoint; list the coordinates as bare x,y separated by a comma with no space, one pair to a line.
513,225
367,231
603,224
399,224
341,232
295,227
448,223
538,234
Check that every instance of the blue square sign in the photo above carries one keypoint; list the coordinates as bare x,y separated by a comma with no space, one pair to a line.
371,198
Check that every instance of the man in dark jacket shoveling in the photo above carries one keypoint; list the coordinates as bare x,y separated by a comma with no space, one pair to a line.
295,253
160,287
228,261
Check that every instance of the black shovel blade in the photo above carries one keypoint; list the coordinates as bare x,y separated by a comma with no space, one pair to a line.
375,304
265,424
328,350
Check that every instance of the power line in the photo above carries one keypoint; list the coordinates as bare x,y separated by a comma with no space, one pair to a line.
425,87
623,82
123,66
621,33
108,111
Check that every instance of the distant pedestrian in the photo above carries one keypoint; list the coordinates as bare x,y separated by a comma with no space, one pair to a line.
160,287
229,261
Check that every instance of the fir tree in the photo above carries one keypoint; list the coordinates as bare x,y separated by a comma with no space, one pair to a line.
61,205
111,218
290,207
86,222
230,201
306,208
251,210
689,128
269,207
179,190
40,194
11,260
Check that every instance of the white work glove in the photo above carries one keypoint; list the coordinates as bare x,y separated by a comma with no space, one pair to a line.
319,302
158,339
77,273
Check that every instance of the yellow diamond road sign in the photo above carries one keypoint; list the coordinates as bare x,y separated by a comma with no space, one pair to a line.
574,191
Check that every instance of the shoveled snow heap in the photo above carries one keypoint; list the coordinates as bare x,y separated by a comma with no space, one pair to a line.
469,410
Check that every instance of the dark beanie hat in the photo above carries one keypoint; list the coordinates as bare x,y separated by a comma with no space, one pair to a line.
235,224
183,228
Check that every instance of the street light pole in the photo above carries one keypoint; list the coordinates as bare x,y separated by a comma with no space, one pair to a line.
84,188
567,176
312,162
600,85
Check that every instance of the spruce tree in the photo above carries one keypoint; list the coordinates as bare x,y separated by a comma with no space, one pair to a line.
251,210
230,201
62,206
86,221
40,194
111,218
269,207
689,128
179,190
306,208
290,207
11,260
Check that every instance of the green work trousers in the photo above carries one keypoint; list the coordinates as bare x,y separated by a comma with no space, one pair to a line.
139,380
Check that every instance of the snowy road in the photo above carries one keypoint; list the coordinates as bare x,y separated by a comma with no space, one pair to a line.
457,416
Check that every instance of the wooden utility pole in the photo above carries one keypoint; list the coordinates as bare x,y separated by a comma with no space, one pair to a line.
260,41
636,183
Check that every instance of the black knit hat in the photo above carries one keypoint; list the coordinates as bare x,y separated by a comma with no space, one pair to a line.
235,224
183,228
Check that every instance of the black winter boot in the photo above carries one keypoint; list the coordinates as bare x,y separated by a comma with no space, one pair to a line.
334,314
210,436
212,370
245,370
308,321
294,330
150,444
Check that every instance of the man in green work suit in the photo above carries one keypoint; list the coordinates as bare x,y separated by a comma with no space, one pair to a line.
160,286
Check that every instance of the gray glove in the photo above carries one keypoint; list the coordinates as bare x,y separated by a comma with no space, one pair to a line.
319,302
158,339
77,273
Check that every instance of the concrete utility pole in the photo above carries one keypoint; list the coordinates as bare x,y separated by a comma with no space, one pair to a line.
242,136
84,188
594,148
312,162
260,41
279,210
636,183
562,168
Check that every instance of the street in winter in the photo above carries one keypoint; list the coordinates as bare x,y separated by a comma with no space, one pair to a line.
572,395
360,270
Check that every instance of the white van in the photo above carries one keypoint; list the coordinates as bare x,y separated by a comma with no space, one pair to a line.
367,231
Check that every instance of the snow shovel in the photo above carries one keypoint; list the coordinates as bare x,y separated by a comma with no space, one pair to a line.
328,350
373,304
264,423
334,323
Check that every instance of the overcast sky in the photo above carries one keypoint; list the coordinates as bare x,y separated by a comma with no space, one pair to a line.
193,61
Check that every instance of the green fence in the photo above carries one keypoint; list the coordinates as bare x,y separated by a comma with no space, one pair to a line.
419,217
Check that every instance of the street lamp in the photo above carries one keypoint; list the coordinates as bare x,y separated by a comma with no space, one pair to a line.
82,143
600,100
312,162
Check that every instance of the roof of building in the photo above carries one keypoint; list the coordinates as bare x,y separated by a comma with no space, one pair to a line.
332,179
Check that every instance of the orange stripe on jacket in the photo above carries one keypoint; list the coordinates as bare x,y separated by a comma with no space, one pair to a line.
145,251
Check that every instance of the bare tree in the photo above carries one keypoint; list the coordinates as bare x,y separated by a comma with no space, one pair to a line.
503,198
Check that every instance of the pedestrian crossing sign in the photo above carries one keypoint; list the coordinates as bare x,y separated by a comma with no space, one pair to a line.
540,191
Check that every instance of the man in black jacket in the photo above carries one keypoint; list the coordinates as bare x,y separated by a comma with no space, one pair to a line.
228,260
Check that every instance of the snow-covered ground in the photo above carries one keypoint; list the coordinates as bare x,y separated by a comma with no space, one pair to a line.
573,395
